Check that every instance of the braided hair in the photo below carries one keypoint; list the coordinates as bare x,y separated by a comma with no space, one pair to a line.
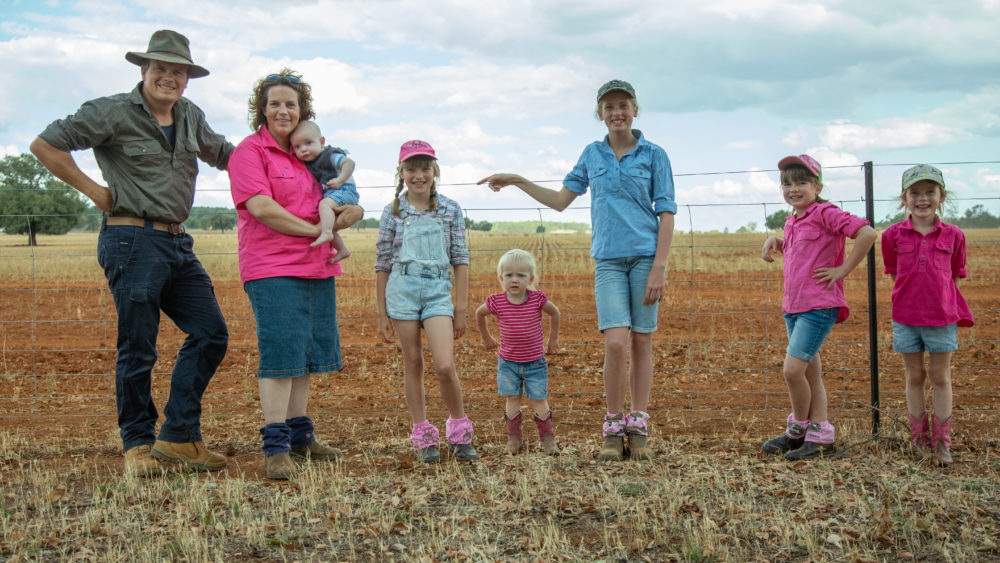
418,160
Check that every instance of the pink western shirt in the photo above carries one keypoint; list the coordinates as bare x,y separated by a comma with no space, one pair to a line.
521,338
816,240
259,166
926,267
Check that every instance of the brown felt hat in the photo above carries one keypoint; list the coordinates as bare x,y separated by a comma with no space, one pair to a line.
171,47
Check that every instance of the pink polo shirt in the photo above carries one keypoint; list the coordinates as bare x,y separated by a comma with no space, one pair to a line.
259,166
926,267
816,240
521,337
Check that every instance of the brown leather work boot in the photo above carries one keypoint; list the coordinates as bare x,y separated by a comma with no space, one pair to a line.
279,466
192,454
317,451
140,463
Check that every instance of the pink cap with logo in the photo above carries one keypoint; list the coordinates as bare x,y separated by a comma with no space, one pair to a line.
410,149
805,160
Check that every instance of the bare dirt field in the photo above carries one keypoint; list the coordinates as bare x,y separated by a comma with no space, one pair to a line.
717,384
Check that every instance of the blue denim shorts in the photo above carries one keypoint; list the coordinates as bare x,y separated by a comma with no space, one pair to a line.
907,339
533,376
415,293
808,330
619,289
297,329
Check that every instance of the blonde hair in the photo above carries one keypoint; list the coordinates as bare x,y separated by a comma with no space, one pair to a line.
418,160
944,197
518,255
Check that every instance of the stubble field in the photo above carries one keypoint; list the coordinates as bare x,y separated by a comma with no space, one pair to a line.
718,392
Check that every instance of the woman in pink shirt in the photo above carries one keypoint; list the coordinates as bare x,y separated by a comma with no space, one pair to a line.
814,268
290,284
925,257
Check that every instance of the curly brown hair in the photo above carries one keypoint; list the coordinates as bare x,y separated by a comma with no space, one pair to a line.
287,77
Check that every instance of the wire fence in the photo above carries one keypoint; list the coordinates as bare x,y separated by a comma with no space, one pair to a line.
718,351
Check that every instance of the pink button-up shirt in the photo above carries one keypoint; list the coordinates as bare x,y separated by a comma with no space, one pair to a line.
259,166
816,240
926,267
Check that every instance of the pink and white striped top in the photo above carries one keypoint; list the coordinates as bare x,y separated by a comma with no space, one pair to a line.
521,338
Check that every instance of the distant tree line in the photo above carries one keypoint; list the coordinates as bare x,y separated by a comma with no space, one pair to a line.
975,217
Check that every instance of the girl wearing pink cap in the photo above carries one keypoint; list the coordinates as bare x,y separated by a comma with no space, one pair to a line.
814,267
420,238
926,257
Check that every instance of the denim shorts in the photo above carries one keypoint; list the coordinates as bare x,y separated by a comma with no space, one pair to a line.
619,289
416,293
907,339
533,376
297,329
808,330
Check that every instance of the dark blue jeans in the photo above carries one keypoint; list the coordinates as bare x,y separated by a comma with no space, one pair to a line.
149,271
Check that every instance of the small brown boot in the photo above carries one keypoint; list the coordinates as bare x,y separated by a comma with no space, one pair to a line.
547,434
614,449
637,447
279,466
514,437
941,440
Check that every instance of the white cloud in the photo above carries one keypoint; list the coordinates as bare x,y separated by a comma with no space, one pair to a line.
886,133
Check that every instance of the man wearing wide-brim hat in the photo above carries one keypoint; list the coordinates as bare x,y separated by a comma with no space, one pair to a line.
147,143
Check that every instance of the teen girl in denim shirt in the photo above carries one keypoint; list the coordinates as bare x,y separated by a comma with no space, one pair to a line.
422,235
632,216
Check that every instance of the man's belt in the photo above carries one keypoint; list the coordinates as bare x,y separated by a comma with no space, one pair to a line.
172,228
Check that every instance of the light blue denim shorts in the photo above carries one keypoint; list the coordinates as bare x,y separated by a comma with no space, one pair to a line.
907,339
297,329
533,376
808,330
416,293
619,289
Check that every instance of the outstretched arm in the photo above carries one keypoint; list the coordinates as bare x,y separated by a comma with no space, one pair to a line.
557,200
61,164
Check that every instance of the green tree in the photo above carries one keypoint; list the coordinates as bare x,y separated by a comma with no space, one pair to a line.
90,219
540,229
221,222
776,220
34,201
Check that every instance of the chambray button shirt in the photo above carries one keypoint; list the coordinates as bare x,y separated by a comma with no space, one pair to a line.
626,196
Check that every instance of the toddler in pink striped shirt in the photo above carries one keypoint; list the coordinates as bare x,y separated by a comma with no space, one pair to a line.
521,361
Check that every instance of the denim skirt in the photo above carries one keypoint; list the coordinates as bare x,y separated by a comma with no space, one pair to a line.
297,331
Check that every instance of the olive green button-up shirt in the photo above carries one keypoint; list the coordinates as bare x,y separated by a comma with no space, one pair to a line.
147,178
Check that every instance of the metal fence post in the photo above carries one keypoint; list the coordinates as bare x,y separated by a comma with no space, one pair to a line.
872,303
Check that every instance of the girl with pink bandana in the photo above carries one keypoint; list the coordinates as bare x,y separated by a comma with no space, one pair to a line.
814,267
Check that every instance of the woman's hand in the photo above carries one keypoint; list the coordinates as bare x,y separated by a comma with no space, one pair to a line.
497,181
654,286
386,330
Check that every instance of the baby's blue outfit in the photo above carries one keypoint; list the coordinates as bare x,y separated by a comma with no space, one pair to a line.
326,167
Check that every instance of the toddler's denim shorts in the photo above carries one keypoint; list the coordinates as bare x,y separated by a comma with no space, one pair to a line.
297,329
808,330
416,293
619,289
533,376
907,339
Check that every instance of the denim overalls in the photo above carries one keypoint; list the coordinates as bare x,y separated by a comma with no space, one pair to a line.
419,285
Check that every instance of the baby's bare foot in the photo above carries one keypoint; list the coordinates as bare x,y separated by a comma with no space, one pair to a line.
323,238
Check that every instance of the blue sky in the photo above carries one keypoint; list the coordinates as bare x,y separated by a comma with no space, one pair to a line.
723,85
